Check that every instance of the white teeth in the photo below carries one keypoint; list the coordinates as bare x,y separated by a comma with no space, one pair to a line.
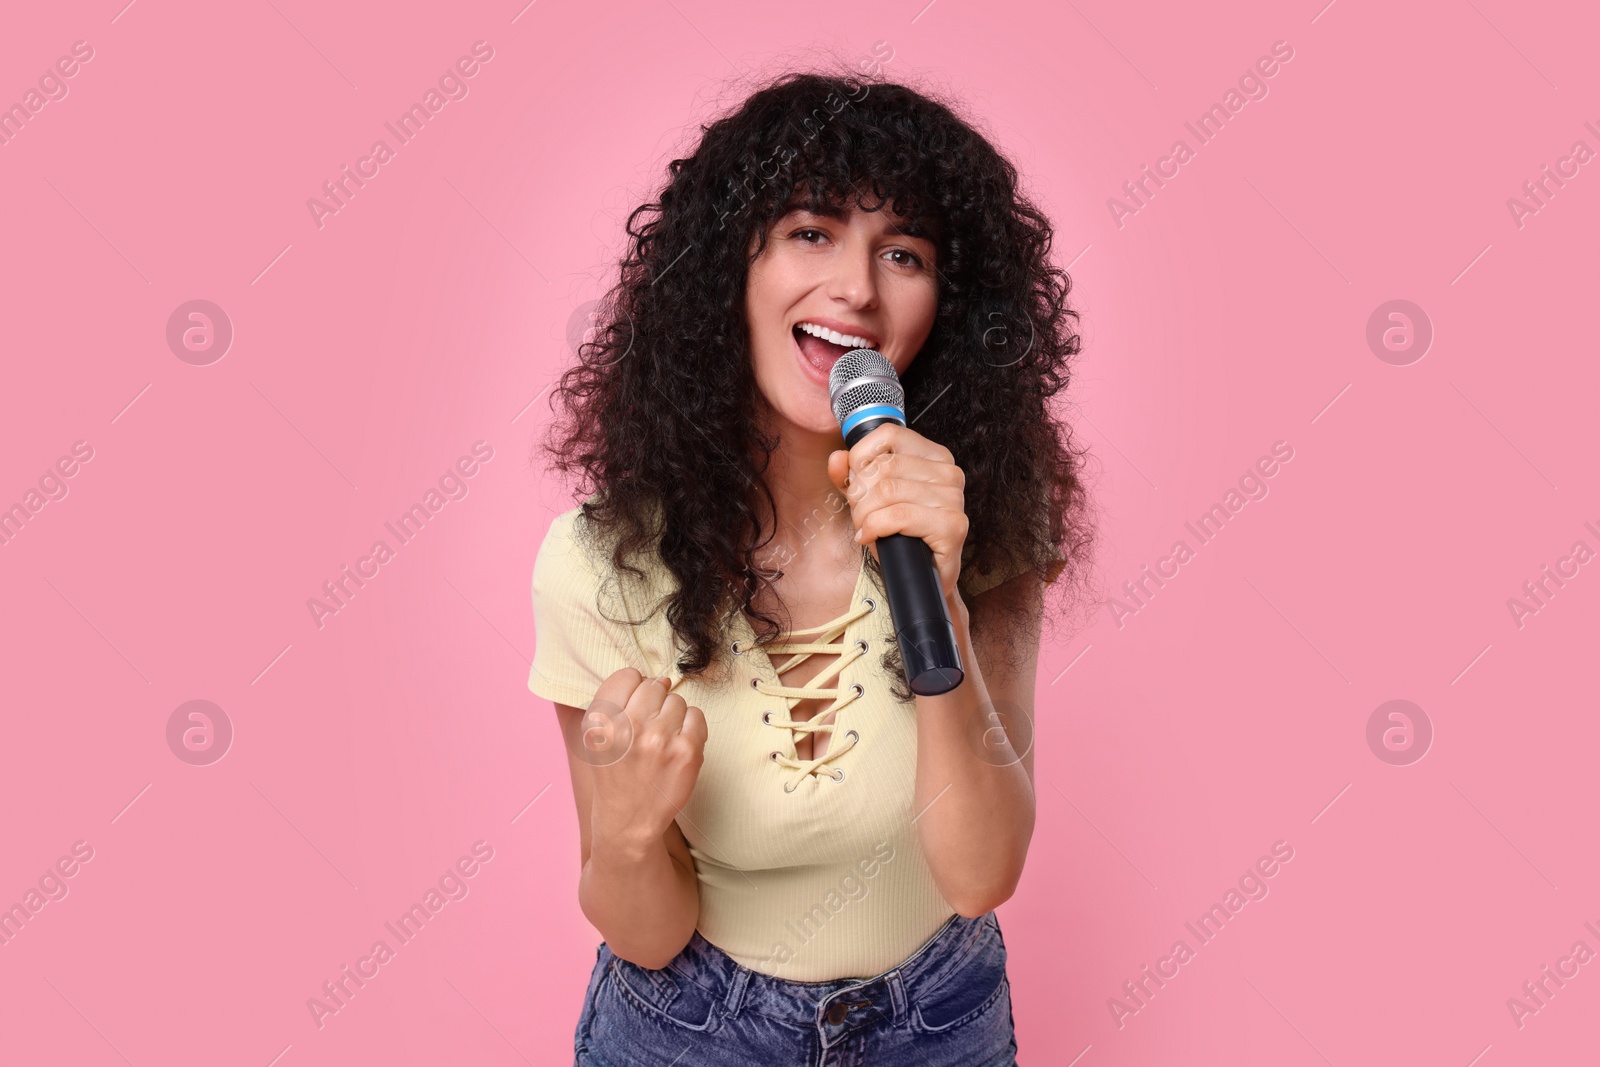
844,339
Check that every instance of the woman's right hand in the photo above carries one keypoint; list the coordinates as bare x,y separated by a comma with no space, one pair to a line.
639,793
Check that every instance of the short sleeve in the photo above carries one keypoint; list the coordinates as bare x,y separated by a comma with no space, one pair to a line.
577,647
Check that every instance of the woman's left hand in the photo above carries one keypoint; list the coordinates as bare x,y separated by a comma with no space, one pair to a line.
899,482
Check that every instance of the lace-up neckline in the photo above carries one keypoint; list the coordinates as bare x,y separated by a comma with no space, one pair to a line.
800,645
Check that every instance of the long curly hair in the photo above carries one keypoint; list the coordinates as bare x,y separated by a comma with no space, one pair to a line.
660,413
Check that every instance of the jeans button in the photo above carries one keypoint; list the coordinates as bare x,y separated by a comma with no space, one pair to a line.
840,1008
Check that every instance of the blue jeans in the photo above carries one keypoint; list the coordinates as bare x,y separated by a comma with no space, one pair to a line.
949,1005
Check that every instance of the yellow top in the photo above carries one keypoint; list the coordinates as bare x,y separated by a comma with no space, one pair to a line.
809,870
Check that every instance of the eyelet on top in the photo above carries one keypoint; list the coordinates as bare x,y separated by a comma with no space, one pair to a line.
754,682
862,645
872,605
775,755
766,717
838,774
852,735
860,692
737,651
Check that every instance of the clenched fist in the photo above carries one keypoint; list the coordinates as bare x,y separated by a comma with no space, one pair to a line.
645,746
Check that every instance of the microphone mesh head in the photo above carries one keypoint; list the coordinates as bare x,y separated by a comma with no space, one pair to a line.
861,378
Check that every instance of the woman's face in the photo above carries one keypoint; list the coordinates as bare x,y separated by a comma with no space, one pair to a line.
852,276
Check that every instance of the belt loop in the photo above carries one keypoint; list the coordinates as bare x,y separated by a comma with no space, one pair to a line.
897,996
736,988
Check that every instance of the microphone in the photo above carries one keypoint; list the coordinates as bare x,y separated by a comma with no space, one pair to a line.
866,393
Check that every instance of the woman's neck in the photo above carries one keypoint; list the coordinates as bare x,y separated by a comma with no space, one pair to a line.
811,512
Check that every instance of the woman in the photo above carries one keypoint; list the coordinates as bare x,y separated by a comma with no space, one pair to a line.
793,860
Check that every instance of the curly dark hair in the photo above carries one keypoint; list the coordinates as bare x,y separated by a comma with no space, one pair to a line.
674,466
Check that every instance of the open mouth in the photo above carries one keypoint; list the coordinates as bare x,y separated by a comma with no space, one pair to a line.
822,347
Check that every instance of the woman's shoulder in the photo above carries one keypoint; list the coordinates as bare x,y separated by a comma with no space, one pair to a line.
567,535
982,579
564,552
577,553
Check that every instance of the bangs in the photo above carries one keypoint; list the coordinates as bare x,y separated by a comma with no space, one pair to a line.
838,150
903,206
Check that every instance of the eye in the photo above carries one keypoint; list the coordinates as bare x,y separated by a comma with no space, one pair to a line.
911,260
802,232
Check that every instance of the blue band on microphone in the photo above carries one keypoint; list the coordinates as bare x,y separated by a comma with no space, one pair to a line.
874,411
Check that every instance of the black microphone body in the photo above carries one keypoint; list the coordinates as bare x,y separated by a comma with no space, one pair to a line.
927,637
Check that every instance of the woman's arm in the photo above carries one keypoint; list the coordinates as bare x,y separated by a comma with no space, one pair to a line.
973,799
638,884
973,791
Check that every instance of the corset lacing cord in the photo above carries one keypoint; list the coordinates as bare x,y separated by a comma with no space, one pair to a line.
817,688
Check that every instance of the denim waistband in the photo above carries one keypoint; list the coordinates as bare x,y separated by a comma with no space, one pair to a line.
838,1007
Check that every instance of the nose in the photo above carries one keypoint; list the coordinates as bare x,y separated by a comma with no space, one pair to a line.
854,280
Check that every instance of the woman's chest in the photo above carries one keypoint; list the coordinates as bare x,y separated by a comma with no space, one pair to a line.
761,799
829,607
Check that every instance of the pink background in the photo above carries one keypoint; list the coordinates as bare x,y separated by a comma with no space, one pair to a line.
432,312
